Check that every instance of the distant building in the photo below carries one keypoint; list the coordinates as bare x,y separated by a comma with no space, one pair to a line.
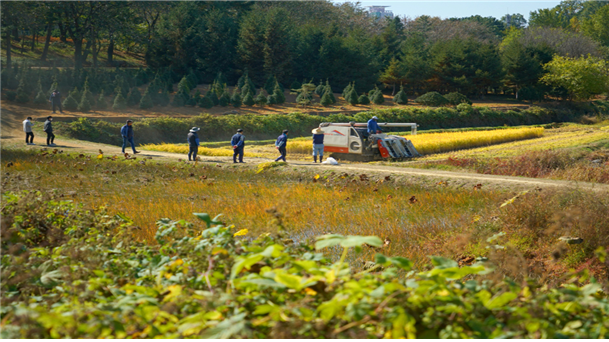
379,12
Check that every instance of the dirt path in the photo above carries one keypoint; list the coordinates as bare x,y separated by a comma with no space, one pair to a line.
13,136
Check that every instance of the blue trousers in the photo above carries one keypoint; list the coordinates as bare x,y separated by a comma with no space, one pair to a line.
238,152
130,140
283,152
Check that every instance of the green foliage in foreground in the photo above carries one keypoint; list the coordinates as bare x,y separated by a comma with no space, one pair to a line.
75,273
221,128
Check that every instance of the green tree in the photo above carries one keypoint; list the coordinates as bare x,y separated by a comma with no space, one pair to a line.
377,97
22,93
261,98
235,100
352,97
101,101
205,102
583,77
326,100
320,90
70,103
84,105
401,98
211,94
163,98
295,85
597,27
134,97
146,100
279,95
248,100
181,98
120,103
392,75
328,89
224,100
347,90
41,98
363,99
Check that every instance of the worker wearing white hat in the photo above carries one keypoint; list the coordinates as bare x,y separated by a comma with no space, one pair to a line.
318,144
373,126
193,143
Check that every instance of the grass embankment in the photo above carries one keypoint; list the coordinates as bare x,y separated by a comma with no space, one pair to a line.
261,127
419,219
573,152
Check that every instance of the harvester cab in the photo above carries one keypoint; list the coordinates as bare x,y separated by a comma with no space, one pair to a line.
351,141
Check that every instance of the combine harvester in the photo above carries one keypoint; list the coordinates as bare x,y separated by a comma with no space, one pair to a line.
351,141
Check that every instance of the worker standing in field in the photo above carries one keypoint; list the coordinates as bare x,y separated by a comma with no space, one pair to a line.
193,143
55,100
281,145
238,143
318,144
27,128
127,133
48,128
373,126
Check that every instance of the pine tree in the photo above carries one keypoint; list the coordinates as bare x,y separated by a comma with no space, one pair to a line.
184,85
84,105
163,98
41,98
70,103
235,100
211,94
205,102
401,98
134,97
261,98
194,99
326,100
101,101
146,100
22,94
87,92
279,95
271,100
53,86
248,100
378,98
269,86
321,89
180,98
363,99
192,78
120,103
352,97
75,93
329,90
246,89
347,90
224,100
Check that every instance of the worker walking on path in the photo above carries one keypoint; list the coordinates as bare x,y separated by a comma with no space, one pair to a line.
127,133
48,128
281,144
373,126
55,100
318,144
193,143
27,128
238,143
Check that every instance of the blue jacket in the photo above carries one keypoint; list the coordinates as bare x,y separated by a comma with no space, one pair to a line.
282,140
318,139
373,126
193,139
127,131
238,140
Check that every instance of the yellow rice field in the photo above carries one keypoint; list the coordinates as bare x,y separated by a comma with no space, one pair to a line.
452,141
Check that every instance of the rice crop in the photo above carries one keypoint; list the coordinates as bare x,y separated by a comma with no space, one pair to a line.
452,141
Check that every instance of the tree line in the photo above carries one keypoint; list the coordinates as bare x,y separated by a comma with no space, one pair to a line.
311,42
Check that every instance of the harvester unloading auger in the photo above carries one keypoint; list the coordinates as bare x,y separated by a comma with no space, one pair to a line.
351,141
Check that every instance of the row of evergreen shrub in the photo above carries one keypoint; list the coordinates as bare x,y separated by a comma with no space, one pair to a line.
218,128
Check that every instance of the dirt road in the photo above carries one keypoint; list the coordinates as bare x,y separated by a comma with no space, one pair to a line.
13,136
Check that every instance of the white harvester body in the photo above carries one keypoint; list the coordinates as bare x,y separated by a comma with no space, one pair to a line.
351,141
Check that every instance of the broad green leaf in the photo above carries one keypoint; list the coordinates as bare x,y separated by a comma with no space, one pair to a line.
329,240
501,300
264,282
272,251
354,240
205,217
289,280
246,263
442,263
401,262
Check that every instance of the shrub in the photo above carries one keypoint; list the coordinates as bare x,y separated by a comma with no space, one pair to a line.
295,85
347,90
465,108
120,103
181,98
531,94
205,102
363,99
330,92
22,94
320,90
432,99
279,95
70,103
84,105
378,97
261,99
224,100
401,98
10,95
41,98
457,98
211,94
272,99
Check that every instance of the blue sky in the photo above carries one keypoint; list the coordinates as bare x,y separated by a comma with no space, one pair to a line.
449,9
